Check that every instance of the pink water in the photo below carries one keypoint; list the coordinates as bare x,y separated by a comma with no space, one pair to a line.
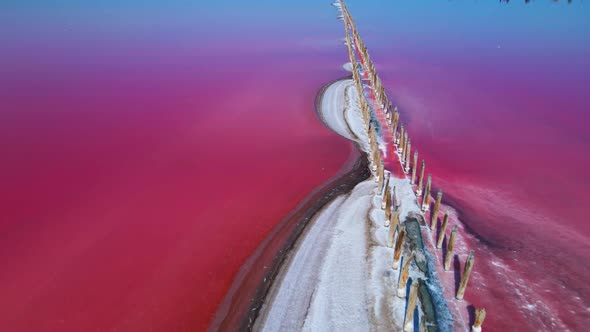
148,148
499,113
144,160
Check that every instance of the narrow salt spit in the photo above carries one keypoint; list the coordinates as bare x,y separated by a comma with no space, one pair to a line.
340,275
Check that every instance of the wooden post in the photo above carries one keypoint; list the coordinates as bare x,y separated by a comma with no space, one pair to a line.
443,229
405,147
450,247
404,275
374,163
385,192
414,167
394,125
412,298
480,315
408,153
381,170
390,113
393,225
434,216
397,252
465,276
420,180
388,209
426,200
401,139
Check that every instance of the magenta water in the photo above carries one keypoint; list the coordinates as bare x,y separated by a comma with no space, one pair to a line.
137,138
147,149
494,96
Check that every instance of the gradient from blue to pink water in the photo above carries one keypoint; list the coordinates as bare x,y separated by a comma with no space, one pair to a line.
116,212
147,149
495,99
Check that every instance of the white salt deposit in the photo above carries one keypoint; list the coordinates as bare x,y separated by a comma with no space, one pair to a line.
339,277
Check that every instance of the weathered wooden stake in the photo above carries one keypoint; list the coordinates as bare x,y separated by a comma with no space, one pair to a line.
394,220
465,276
388,209
404,275
480,315
385,191
426,200
450,247
412,299
393,225
414,167
394,125
381,169
443,229
408,154
434,215
405,148
397,252
420,180
401,139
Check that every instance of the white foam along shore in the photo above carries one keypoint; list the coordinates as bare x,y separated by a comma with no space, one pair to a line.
340,276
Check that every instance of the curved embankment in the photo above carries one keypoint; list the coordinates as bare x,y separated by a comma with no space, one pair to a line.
339,276
242,303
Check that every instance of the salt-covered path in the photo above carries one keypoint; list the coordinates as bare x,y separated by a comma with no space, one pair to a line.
339,276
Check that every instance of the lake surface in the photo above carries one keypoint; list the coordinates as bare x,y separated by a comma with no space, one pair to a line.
149,147
495,98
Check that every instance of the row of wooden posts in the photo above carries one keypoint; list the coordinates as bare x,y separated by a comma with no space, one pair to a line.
403,146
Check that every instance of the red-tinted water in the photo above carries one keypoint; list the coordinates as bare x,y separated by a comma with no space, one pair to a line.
500,118
133,191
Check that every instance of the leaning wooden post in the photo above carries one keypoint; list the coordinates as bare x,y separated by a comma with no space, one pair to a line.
420,180
434,216
393,224
397,252
374,165
414,167
394,125
404,275
401,139
465,276
450,248
480,315
426,200
381,170
405,147
408,153
412,299
388,209
385,192
443,230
